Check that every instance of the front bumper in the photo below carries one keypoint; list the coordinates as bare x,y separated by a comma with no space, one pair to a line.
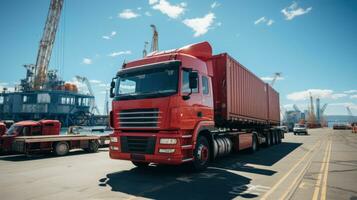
128,147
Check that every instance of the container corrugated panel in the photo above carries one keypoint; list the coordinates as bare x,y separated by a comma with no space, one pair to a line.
238,93
274,105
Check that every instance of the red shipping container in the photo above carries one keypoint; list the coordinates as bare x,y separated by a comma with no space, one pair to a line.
273,105
239,95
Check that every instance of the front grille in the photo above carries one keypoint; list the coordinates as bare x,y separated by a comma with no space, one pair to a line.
139,118
136,144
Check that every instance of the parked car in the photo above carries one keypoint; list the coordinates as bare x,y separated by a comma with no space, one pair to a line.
300,128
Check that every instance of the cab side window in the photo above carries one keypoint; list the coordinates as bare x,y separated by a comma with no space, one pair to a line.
185,83
36,130
205,85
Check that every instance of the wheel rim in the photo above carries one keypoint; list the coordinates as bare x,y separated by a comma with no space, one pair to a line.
202,153
254,144
62,148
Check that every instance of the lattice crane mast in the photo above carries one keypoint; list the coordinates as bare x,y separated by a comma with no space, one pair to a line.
46,44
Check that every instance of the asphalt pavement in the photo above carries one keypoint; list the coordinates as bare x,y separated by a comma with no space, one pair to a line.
321,165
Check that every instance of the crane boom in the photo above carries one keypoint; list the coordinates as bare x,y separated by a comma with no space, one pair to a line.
276,76
89,87
46,43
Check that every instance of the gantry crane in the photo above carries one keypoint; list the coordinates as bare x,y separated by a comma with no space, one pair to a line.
84,80
350,113
155,39
46,44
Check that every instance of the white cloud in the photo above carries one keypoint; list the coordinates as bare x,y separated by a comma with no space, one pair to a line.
4,84
87,61
353,96
139,8
118,53
200,25
350,91
260,20
264,20
270,78
128,14
108,37
215,4
147,13
151,2
95,81
270,22
173,11
293,11
321,93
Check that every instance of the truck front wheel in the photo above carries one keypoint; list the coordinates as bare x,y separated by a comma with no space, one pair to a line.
92,147
61,148
201,154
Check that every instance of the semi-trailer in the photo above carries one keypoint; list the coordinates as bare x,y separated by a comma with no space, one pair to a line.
187,105
27,137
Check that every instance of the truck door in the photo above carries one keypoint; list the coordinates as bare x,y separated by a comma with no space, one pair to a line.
8,139
190,107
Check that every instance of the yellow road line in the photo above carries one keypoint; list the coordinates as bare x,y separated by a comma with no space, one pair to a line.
319,177
287,174
324,182
298,178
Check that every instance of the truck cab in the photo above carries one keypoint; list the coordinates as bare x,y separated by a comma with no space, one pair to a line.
2,128
157,103
28,128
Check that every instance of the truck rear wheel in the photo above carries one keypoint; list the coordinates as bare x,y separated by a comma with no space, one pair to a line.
254,147
61,148
273,136
201,154
92,146
268,139
140,164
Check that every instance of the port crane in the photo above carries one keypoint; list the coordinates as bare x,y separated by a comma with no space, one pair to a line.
350,113
155,39
276,76
46,44
85,80
145,47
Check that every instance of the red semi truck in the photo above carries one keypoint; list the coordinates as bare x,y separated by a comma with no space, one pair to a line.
187,105
30,136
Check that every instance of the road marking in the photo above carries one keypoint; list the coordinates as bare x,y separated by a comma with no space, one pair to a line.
289,172
319,177
324,182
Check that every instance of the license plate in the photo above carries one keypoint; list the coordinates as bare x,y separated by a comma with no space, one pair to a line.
138,157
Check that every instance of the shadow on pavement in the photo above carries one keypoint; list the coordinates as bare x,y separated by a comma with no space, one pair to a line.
177,182
43,155
220,181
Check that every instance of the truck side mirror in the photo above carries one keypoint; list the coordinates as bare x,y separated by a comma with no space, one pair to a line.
193,80
112,86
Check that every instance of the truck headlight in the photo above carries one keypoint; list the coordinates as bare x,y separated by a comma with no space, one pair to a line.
168,141
166,150
114,148
113,139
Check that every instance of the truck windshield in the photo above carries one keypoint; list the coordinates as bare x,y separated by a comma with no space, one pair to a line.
14,130
147,83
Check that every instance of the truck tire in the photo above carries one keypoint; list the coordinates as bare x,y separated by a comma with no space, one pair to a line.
274,142
140,164
201,154
268,139
93,146
254,147
61,148
279,137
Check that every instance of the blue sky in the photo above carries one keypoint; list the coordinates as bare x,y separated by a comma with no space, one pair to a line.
313,43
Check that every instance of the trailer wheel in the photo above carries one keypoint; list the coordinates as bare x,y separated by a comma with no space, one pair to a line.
254,147
274,138
92,146
268,139
140,164
280,137
61,148
201,154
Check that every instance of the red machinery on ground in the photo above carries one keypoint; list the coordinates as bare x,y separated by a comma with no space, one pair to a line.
186,105
30,136
354,127
2,128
